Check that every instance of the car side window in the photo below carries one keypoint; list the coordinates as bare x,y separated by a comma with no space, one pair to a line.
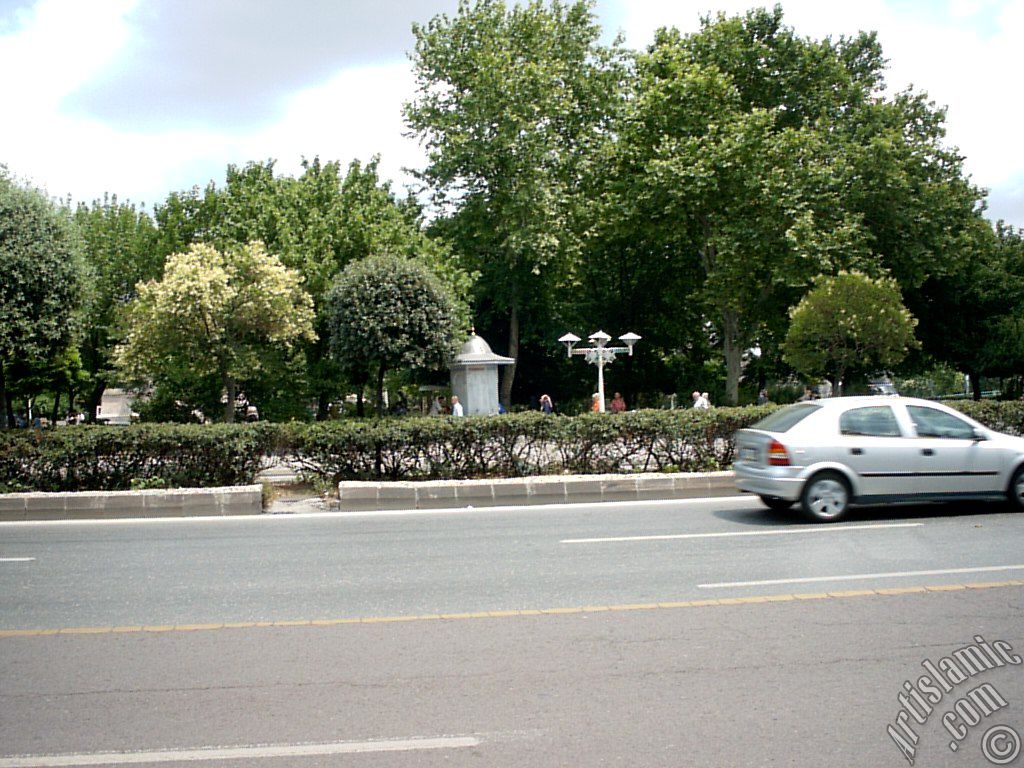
876,421
931,422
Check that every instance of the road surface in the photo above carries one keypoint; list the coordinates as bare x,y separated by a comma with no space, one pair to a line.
644,634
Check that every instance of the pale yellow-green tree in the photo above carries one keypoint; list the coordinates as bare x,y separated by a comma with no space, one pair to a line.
215,313
849,323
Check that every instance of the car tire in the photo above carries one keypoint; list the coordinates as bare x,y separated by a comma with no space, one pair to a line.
1015,493
776,504
826,497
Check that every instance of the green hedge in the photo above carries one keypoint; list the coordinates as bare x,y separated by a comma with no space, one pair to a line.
86,458
1001,415
514,445
518,445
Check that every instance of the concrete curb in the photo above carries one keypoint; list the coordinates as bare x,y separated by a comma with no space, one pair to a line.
90,505
357,496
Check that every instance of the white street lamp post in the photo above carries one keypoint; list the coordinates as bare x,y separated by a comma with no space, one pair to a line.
599,354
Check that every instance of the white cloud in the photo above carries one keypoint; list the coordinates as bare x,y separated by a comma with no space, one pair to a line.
962,52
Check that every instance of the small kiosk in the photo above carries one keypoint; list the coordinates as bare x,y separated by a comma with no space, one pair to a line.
474,373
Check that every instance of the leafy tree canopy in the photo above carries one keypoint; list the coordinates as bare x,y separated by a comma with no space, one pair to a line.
849,323
387,312
40,288
214,312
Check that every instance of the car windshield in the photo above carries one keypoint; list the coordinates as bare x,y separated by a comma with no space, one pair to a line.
785,419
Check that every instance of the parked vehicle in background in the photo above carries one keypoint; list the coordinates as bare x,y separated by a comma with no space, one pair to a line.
827,454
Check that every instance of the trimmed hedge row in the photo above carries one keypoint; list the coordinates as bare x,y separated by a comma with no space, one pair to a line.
520,445
516,445
94,458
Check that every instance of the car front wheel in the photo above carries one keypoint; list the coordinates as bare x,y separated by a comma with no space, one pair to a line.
1016,490
775,503
826,497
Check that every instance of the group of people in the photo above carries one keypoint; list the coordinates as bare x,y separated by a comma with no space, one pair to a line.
701,400
617,405
438,407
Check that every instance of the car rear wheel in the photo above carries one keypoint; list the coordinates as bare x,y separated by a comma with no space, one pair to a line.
826,497
1016,490
777,504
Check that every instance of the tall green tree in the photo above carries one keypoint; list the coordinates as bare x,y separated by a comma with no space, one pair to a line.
316,223
510,104
754,159
40,291
849,323
389,312
215,313
120,248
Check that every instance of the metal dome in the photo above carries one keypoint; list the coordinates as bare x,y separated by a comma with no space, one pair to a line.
476,350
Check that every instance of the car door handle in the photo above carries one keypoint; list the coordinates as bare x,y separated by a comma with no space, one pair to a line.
927,452
857,451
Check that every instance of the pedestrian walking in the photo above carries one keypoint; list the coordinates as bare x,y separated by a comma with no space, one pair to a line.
546,406
595,403
456,406
618,404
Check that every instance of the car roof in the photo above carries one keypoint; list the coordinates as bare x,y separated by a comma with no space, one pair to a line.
861,400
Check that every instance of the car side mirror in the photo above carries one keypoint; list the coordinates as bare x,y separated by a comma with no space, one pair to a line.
978,435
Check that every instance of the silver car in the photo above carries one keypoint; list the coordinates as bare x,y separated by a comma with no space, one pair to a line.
830,453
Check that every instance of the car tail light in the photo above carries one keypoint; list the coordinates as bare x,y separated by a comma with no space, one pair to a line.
777,455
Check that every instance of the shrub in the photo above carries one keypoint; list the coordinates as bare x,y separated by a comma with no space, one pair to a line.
93,458
426,448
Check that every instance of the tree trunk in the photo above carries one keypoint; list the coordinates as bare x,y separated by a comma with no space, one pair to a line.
380,390
509,373
975,385
56,408
323,406
733,352
94,399
231,387
6,418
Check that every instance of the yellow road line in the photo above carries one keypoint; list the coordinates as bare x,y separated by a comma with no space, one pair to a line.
749,600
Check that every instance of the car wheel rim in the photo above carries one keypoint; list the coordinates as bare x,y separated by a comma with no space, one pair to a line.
1018,489
828,498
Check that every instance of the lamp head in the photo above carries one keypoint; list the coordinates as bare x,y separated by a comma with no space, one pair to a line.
599,338
629,339
570,340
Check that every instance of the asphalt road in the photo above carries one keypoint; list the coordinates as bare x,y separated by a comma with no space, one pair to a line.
636,635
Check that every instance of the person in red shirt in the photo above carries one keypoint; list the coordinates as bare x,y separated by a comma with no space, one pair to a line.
618,404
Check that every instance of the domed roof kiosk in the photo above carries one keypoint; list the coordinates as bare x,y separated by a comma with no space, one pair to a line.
474,376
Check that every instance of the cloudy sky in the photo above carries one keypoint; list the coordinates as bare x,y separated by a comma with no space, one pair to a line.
143,97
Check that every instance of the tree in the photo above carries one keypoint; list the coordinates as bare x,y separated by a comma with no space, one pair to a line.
750,160
510,103
120,248
388,312
40,291
849,323
316,223
214,313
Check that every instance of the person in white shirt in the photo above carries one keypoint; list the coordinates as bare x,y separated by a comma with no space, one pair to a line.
456,406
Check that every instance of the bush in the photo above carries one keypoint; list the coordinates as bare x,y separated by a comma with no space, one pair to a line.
92,458
517,445
426,448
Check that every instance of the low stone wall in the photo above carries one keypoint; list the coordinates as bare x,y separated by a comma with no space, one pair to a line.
90,505
368,496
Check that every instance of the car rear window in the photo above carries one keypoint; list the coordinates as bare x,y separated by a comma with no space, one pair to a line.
785,419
